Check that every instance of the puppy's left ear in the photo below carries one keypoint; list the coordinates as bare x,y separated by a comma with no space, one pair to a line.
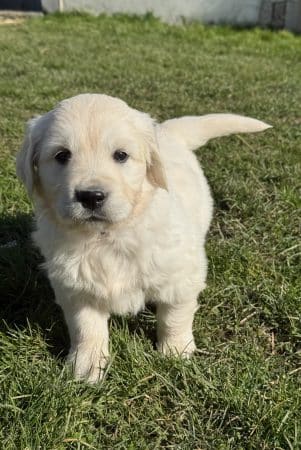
147,129
26,158
155,171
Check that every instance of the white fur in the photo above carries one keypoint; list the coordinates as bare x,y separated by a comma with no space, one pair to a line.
150,247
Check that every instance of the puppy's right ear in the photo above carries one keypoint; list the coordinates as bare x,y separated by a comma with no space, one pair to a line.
26,162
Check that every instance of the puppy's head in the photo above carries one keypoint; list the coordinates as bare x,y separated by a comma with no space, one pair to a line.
92,159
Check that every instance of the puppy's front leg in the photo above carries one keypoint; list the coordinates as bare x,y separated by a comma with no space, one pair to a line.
174,328
89,336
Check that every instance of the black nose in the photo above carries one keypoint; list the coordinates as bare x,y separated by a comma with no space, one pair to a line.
91,199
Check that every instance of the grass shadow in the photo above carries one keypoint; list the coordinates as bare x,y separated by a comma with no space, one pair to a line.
25,293
143,325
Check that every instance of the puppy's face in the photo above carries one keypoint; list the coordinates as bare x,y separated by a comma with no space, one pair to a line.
91,159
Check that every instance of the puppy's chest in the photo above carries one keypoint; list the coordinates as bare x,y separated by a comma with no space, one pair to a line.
117,276
103,269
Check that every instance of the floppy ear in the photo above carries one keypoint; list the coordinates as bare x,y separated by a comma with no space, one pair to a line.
147,128
155,171
195,131
26,158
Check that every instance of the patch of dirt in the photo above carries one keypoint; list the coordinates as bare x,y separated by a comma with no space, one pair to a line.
11,21
16,17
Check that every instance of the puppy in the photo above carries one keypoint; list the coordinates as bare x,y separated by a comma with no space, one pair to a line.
122,211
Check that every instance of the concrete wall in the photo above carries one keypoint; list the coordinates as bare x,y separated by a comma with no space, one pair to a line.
277,13
293,16
281,14
173,11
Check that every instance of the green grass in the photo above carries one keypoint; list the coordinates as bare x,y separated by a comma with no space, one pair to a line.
243,389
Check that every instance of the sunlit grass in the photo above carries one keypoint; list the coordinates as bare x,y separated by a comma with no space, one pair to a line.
242,389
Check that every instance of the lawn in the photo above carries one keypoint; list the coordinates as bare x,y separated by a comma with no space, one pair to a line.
242,390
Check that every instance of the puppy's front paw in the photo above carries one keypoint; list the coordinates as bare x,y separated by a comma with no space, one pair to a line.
88,363
177,346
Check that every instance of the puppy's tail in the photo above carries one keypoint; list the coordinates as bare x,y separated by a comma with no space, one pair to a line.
195,131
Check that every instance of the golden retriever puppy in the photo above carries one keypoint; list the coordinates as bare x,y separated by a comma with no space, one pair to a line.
122,211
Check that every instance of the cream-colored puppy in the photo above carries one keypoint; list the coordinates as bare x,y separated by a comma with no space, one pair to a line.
122,212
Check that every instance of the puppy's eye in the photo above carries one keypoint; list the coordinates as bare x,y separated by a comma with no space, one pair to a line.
63,156
120,156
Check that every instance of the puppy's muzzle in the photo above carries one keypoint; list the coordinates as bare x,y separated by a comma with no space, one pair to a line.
91,199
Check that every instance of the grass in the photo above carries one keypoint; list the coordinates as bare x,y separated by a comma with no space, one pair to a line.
243,389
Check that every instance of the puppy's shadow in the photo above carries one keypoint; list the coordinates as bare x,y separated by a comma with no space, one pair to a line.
26,298
142,325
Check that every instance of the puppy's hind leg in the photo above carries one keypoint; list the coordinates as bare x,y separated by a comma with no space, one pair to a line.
174,328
